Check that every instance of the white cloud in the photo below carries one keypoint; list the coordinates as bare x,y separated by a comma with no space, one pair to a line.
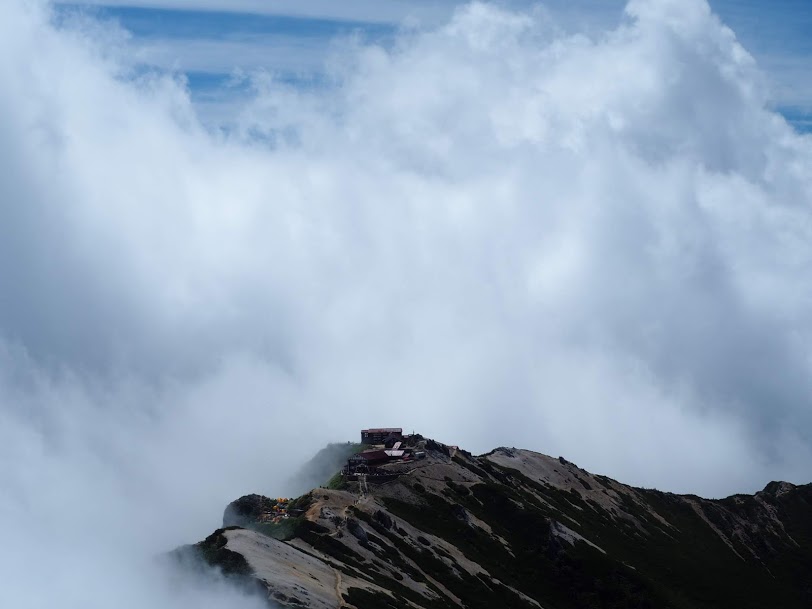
592,246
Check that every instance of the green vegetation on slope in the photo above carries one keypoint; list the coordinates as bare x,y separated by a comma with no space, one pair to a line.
324,465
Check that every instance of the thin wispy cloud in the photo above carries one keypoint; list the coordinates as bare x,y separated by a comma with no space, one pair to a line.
281,54
367,11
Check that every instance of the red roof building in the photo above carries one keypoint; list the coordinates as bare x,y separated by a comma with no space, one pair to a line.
371,457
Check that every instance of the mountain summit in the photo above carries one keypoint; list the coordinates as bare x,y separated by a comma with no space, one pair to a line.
424,525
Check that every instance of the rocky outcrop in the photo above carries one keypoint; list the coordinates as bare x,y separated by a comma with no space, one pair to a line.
514,528
246,509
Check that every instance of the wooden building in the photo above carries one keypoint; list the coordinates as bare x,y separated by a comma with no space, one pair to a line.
370,457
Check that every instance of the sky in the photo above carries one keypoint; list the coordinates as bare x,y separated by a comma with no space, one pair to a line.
227,239
217,45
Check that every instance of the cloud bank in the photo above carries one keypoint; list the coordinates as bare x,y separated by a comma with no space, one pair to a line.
492,232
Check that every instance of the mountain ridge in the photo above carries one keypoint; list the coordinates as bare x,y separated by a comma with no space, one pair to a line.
516,528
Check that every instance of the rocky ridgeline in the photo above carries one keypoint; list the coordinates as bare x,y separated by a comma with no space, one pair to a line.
517,529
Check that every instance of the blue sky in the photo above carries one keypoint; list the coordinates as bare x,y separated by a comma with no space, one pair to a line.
213,42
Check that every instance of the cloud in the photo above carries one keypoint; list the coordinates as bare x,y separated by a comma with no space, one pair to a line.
226,56
594,246
393,11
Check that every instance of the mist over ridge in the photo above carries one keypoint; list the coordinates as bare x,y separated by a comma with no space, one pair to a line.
595,246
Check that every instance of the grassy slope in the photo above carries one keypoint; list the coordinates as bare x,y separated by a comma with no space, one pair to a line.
325,464
687,568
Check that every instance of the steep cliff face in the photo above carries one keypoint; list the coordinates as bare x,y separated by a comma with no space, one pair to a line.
514,528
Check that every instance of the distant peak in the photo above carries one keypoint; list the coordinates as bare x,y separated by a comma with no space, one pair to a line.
778,488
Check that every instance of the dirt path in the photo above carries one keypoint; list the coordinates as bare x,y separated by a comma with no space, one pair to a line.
341,603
